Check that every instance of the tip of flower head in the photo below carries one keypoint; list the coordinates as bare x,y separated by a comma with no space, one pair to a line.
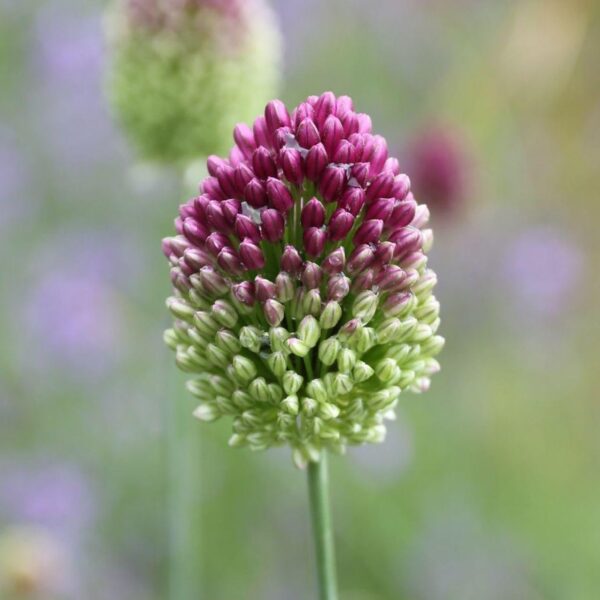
302,282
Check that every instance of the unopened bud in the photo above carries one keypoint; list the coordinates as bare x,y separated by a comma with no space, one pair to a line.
244,368
292,382
309,331
332,313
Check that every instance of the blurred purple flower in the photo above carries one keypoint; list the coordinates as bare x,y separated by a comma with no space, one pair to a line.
68,61
438,169
543,268
56,497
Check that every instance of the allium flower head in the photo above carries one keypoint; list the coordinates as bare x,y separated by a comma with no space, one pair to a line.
184,70
303,303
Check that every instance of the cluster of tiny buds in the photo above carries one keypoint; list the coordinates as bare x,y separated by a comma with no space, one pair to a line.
303,299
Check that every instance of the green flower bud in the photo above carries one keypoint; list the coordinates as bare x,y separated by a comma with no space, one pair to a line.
285,287
364,339
207,412
224,313
329,350
433,345
237,441
277,362
291,404
425,284
311,303
292,382
216,356
362,371
309,406
242,399
180,309
342,384
365,305
171,339
250,338
226,406
329,411
278,337
387,370
259,390
309,331
346,360
387,330
227,341
205,324
298,347
316,389
421,333
198,388
244,368
332,313
275,393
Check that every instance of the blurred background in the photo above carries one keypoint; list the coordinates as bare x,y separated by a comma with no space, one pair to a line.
488,487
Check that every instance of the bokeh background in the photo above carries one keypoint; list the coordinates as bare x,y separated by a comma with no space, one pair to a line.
488,487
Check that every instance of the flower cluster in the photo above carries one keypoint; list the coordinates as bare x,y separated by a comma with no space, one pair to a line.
303,303
184,70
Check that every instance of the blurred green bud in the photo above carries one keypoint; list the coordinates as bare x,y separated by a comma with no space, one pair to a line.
329,411
227,341
365,305
180,309
316,389
277,363
332,313
346,360
207,412
244,368
224,313
298,347
362,371
259,390
291,404
250,338
292,382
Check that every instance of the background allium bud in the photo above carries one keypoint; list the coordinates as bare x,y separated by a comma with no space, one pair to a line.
184,70
306,319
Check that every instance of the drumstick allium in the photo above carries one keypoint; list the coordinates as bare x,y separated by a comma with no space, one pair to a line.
302,298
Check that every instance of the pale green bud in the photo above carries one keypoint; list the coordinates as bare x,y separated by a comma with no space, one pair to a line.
407,328
244,368
365,305
237,440
292,382
346,360
364,339
425,284
252,417
278,337
197,338
227,341
427,239
199,302
399,353
387,369
242,399
216,356
387,330
205,324
250,338
180,309
277,362
421,333
184,362
171,339
207,412
259,389
428,311
331,315
316,389
328,351
342,384
226,405
309,331
433,345
224,313
220,385
311,303
198,388
309,406
298,347
291,404
362,371
329,411
275,393
285,287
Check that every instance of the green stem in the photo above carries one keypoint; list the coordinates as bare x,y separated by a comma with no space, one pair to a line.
318,488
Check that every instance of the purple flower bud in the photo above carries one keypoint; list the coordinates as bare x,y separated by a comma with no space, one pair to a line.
274,312
402,215
349,328
360,172
364,144
390,277
378,156
344,153
291,262
212,282
276,116
314,241
407,240
178,245
214,163
392,165
332,133
279,195
315,162
246,228
395,304
332,183
381,186
421,217
324,106
282,136
244,138
236,157
353,199
312,276
256,193
263,164
401,186
264,289
350,123
229,261
273,225
343,105
178,223
364,281
364,123
338,287
307,133
412,276
369,232
244,292
212,188
197,258
380,209
313,214
225,176
200,206
195,232
242,175
215,242
340,224
261,134
335,261
361,257
291,164
384,252
303,111
187,210
215,215
230,209
251,254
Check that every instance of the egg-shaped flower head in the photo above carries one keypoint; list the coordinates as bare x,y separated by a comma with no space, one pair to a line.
303,302
183,70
